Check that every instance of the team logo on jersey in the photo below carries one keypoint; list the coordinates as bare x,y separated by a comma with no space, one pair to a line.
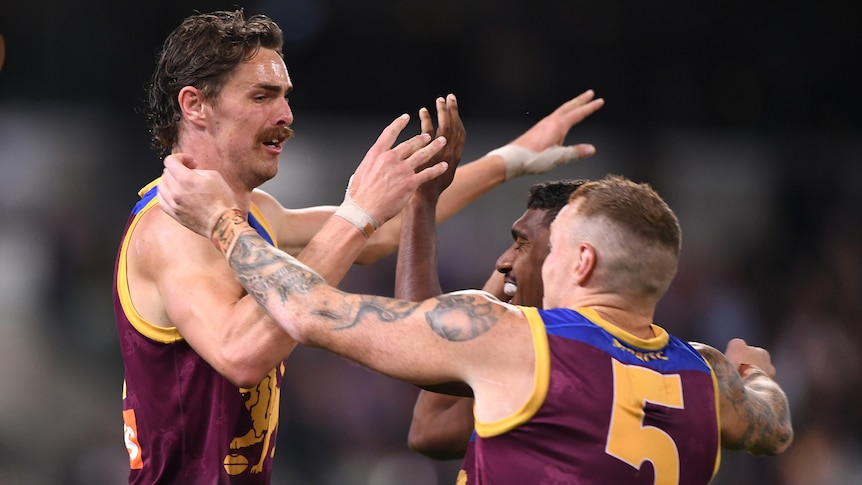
462,478
262,403
130,435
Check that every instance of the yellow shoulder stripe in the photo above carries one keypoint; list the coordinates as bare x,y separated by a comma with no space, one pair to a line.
541,382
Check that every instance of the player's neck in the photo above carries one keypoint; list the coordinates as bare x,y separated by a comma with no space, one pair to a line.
633,321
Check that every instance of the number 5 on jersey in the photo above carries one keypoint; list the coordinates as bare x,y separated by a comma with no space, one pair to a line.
628,439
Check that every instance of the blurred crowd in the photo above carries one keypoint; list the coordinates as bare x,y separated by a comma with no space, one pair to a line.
771,253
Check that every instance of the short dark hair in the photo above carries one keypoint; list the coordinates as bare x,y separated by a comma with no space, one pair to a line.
202,52
551,196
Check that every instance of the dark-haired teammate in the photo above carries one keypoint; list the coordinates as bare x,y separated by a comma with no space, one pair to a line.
442,424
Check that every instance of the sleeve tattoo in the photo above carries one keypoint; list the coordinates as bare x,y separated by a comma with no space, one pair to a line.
272,277
760,402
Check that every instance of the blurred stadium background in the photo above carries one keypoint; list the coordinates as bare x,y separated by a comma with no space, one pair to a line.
744,115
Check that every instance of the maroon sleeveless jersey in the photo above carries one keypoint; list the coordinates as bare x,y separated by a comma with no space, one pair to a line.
184,423
607,407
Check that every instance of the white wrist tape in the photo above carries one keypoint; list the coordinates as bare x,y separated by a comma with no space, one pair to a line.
352,213
522,161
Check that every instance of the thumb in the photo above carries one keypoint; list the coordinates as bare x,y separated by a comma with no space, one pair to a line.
179,162
579,152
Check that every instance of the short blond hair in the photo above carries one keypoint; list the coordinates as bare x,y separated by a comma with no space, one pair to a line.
636,235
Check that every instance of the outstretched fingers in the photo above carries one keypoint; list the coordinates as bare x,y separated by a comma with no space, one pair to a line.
408,148
421,156
431,173
450,127
454,126
425,123
442,116
579,107
576,102
389,135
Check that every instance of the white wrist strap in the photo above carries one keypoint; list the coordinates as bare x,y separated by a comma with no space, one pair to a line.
352,213
522,161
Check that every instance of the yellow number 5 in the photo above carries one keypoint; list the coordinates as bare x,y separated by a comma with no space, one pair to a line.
628,439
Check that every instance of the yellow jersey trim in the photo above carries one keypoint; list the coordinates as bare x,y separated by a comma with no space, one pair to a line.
258,215
658,342
717,415
541,382
143,326
148,187
148,329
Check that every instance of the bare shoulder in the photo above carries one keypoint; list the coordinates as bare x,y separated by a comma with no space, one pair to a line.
163,256
159,245
481,295
502,352
271,208
263,199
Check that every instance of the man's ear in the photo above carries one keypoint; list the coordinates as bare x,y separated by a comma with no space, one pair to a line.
192,104
585,264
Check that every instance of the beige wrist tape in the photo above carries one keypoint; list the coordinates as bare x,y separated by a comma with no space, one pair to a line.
514,158
352,213
522,161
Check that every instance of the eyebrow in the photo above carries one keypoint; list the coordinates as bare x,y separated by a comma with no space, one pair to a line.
274,88
516,234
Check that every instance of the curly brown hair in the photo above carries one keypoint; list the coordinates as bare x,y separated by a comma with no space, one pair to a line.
202,52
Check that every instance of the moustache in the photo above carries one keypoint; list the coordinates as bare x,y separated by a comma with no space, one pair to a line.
278,134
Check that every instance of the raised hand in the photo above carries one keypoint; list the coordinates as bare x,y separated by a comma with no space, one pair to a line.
540,149
388,176
449,126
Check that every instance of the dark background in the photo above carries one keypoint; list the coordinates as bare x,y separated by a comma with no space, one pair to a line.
755,64
744,115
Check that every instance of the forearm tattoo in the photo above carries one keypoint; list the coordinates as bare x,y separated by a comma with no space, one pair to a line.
272,278
758,399
261,269
377,308
227,229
